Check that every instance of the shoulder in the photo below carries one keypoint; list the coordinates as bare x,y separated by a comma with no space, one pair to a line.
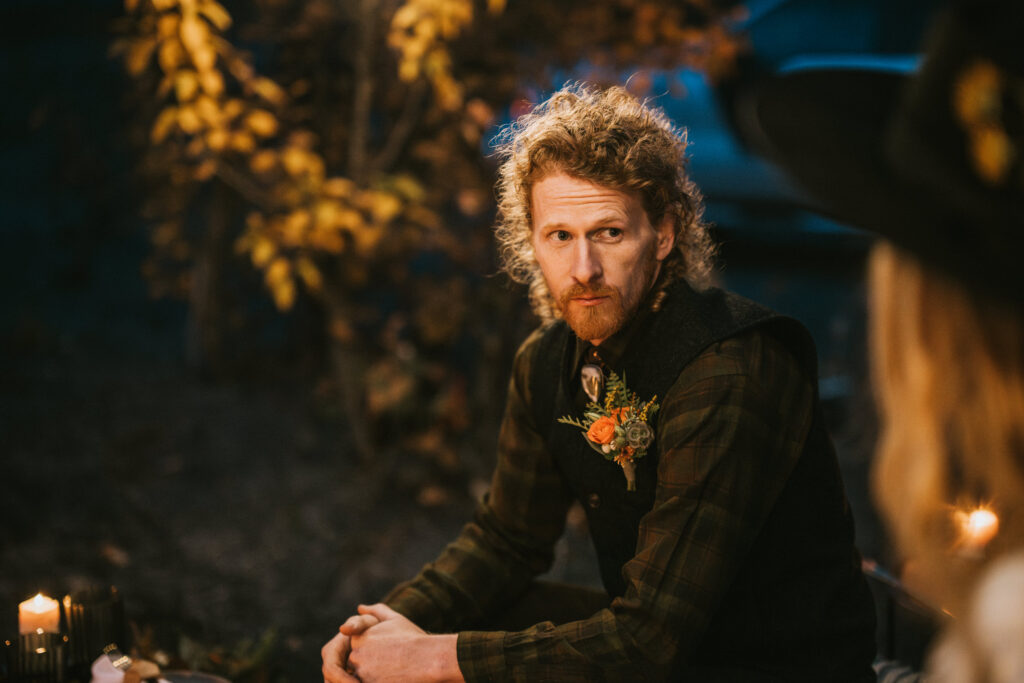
755,367
756,353
745,395
539,343
536,346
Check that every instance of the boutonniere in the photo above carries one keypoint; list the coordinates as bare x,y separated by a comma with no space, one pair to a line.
619,429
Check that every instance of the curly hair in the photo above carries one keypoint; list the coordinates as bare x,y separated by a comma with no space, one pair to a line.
608,137
948,370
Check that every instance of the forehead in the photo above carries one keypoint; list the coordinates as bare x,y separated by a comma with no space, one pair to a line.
557,197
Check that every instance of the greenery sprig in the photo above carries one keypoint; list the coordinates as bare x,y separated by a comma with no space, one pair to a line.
619,427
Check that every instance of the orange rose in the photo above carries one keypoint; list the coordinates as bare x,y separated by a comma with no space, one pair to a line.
602,431
620,414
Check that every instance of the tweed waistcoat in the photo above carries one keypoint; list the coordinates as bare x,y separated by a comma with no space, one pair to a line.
664,344
803,560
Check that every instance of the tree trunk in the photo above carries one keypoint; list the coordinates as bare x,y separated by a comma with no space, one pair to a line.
204,343
362,98
347,360
349,369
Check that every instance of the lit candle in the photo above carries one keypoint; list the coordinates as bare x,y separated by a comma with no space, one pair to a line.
39,615
977,527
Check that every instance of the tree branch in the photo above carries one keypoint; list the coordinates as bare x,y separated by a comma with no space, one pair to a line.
245,187
402,129
362,99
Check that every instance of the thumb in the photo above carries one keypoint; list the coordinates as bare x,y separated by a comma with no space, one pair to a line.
379,610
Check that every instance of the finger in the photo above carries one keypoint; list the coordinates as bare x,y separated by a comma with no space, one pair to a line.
356,624
339,676
352,625
379,610
335,655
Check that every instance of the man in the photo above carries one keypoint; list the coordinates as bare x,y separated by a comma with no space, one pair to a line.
725,542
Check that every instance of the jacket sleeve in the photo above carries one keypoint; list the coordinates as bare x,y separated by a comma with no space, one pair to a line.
512,535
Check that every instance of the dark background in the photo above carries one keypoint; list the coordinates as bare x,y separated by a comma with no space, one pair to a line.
229,510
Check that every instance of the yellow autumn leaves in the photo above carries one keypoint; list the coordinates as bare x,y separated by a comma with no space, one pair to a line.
338,219
420,31
219,117
978,101
194,59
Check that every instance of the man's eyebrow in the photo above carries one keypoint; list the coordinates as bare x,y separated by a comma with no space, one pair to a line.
619,220
553,225
609,217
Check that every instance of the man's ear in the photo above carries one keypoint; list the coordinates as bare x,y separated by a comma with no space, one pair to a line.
666,235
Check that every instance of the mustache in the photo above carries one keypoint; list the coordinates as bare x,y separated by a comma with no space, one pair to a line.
583,291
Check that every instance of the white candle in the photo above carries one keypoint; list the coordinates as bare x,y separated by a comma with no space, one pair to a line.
39,615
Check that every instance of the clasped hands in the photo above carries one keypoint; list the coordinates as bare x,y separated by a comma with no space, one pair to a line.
379,645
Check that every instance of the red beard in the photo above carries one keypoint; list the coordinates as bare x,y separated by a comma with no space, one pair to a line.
597,323
592,322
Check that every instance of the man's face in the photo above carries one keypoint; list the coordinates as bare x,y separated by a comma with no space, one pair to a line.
597,250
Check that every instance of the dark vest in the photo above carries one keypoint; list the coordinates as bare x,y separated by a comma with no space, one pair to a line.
800,602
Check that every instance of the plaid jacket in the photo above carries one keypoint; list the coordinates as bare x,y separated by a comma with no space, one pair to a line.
733,564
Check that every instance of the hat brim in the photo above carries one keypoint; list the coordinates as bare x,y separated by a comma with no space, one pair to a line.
827,128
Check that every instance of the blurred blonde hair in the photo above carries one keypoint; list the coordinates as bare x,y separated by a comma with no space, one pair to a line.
610,138
948,370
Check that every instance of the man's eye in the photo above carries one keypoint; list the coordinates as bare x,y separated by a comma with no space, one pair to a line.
560,235
613,232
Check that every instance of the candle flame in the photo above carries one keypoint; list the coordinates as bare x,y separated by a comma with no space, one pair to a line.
977,526
40,603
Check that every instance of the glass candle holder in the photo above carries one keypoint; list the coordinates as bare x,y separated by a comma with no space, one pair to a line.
95,619
37,658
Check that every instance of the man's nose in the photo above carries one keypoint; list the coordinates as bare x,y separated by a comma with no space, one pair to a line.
586,264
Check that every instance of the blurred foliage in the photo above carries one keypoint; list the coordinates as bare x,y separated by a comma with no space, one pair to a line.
247,661
338,145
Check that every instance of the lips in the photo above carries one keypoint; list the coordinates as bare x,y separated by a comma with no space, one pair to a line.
586,296
589,300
